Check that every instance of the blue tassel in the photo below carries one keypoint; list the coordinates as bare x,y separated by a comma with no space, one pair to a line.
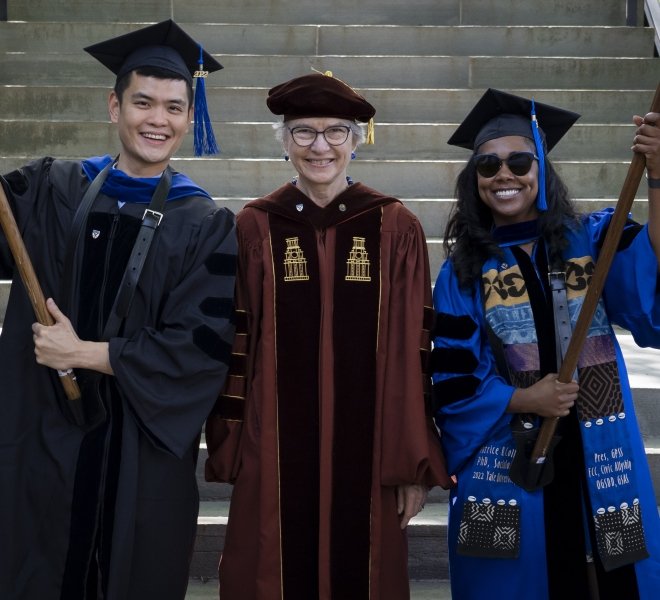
204,138
541,203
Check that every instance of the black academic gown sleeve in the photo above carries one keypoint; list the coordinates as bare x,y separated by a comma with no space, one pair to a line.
170,372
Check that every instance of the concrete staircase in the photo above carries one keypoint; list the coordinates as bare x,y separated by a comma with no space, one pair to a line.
422,63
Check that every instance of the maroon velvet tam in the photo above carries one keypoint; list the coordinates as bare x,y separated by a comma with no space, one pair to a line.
318,95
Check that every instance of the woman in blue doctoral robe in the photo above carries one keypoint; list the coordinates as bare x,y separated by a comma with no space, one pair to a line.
592,527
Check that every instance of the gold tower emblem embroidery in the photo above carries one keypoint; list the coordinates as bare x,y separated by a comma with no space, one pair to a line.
357,265
295,263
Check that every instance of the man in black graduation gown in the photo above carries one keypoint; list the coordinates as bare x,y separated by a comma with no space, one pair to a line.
102,502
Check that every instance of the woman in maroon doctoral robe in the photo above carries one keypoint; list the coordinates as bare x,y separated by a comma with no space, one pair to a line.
323,426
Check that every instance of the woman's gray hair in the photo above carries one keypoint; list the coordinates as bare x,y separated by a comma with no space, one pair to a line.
359,134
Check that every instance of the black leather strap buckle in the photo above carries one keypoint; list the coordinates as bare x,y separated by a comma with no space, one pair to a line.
557,280
157,216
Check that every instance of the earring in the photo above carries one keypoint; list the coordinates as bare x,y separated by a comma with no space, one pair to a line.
286,157
353,155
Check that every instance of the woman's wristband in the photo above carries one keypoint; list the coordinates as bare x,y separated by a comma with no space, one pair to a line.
654,183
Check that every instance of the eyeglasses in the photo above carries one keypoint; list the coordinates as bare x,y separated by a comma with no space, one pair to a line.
306,136
519,163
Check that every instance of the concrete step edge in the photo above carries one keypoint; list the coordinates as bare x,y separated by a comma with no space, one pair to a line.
215,513
452,13
431,588
246,103
435,514
415,71
270,39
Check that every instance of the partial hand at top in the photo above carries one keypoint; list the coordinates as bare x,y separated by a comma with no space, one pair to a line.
647,141
410,500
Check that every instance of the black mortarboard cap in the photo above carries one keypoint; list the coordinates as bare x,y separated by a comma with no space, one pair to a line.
499,114
166,46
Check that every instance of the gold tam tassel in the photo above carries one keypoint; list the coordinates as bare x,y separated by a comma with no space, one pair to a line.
370,131
370,124
326,73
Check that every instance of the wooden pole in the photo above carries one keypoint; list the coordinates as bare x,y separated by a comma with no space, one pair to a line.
619,218
31,283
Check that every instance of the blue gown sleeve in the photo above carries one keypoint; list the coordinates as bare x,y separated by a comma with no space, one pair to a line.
634,271
470,398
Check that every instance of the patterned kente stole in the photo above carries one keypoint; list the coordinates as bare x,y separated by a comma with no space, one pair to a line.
608,458
301,278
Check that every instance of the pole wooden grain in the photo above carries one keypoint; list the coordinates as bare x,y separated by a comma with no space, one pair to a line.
31,283
610,244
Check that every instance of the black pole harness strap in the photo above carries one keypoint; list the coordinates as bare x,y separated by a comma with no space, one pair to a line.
151,219
529,476
93,410
563,331
150,222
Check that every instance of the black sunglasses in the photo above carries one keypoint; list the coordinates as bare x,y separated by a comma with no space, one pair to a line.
519,163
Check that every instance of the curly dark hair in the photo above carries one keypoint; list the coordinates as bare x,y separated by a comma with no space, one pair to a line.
468,240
